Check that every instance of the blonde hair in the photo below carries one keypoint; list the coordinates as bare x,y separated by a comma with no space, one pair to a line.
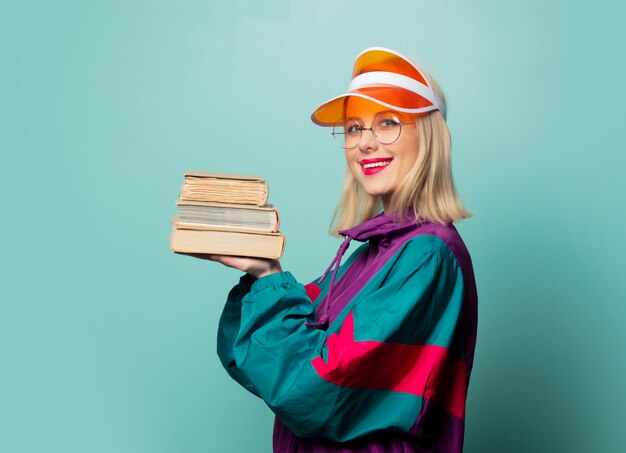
427,189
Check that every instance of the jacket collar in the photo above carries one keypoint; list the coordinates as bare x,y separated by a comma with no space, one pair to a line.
379,228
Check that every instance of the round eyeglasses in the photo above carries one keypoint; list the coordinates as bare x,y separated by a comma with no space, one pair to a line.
386,129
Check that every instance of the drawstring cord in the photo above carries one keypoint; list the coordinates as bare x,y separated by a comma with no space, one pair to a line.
381,226
322,322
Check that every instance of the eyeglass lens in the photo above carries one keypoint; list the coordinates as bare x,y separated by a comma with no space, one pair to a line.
386,128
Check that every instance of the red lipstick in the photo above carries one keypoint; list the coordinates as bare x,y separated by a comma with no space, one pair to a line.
371,170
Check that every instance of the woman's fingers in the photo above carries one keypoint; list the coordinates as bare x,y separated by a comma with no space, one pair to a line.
237,262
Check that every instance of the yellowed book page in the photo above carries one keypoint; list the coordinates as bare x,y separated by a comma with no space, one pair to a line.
221,190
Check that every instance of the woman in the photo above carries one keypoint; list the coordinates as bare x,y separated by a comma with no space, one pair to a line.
377,357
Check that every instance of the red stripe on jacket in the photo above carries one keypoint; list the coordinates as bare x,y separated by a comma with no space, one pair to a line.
427,371
312,290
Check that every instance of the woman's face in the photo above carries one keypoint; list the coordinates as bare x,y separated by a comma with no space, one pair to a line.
393,161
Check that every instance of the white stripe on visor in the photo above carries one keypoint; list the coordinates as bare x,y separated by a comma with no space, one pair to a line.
377,78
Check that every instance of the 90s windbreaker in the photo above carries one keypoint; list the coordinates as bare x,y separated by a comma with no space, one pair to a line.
377,359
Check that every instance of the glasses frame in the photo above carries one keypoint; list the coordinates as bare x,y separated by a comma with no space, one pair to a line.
341,121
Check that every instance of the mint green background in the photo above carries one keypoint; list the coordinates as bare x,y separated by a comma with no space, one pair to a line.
107,340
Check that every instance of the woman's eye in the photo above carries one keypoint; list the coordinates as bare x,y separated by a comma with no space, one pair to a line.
388,122
353,128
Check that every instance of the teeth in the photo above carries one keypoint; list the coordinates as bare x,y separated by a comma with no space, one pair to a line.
377,164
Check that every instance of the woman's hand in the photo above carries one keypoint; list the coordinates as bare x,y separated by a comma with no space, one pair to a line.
257,267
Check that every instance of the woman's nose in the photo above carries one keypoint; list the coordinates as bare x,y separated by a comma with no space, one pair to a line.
367,142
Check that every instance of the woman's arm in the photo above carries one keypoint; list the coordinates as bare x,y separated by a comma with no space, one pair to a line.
230,320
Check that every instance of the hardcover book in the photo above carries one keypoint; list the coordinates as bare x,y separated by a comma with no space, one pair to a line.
224,188
228,215
189,238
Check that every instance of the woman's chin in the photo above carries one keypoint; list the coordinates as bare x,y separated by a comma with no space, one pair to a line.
376,192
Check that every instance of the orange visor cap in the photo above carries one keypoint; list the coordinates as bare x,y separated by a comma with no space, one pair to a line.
388,78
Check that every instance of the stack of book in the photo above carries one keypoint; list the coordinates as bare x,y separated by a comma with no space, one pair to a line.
225,214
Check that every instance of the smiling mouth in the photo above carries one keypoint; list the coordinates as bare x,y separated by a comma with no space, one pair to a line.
373,166
382,163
